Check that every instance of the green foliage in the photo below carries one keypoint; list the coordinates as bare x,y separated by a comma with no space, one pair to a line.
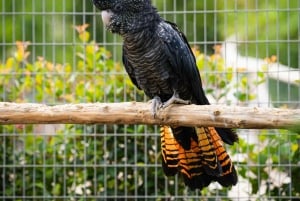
111,160
34,21
219,79
268,22
44,81
268,165
75,160
267,27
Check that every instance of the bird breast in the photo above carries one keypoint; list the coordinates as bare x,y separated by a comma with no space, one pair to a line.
150,65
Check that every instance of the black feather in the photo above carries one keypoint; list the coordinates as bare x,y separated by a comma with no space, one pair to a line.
159,61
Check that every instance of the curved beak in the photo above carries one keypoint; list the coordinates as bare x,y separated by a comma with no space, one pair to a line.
106,16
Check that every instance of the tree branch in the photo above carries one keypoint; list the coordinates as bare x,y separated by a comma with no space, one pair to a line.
139,113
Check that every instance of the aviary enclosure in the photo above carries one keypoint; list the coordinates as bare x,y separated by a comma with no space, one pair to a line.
57,53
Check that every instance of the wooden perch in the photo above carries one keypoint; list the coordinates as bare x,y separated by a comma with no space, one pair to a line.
139,113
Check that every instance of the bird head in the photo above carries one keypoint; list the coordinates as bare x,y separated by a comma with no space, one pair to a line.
123,16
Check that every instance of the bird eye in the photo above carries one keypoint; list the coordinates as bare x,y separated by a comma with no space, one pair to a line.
118,7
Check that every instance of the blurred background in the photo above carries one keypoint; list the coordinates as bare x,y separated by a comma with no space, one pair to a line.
58,52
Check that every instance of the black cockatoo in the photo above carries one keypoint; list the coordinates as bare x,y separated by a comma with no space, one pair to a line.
159,61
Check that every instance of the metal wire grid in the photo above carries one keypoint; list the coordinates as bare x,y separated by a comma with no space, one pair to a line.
82,162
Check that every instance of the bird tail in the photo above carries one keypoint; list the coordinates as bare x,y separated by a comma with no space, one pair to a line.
198,154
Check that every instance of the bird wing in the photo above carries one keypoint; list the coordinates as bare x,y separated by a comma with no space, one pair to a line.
181,59
183,63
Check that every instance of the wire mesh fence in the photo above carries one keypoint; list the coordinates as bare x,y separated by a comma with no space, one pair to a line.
247,52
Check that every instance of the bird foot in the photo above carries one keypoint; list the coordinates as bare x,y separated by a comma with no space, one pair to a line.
175,99
156,104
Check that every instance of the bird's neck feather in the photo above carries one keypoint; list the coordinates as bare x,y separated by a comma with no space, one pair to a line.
144,22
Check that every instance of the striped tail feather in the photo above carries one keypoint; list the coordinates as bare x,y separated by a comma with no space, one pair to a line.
198,154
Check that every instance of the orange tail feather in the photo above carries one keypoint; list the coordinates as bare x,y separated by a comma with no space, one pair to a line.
205,160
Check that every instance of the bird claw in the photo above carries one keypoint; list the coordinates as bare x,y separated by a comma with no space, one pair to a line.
156,104
175,99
